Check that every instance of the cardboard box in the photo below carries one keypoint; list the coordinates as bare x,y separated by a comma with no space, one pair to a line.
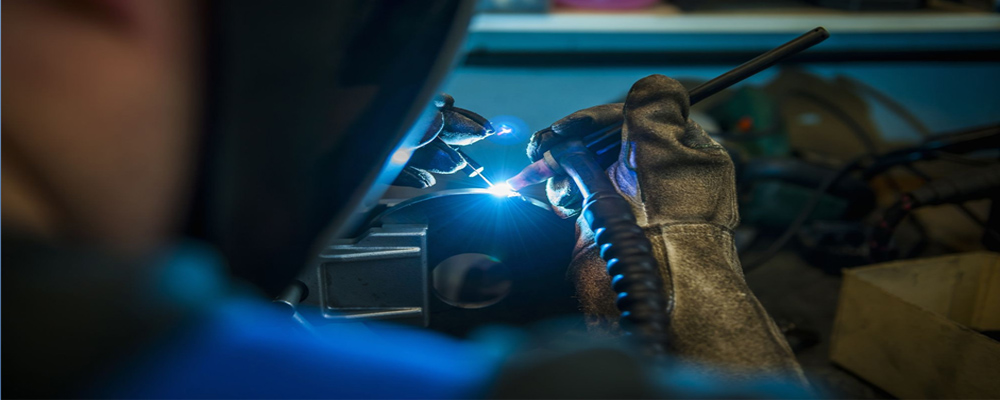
912,327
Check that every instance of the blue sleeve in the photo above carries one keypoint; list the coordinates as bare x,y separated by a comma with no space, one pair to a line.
243,349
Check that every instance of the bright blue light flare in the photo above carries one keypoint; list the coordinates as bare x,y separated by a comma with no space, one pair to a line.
502,190
509,130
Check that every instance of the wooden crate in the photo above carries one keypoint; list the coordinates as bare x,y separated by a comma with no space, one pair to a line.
912,327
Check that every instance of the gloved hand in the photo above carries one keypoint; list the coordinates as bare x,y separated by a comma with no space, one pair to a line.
453,127
681,186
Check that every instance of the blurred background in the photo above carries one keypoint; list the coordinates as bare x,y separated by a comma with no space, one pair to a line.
895,74
904,69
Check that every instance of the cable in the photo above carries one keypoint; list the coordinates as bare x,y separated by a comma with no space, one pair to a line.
981,184
974,139
977,131
865,138
969,161
961,207
979,135
644,298
804,214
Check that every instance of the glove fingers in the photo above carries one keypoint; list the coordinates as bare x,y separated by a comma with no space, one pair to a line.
437,157
656,101
452,126
444,100
541,142
432,132
589,120
580,123
415,177
562,192
463,127
656,110
682,174
656,115
565,196
696,138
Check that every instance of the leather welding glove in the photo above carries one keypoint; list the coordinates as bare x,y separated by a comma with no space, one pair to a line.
681,186
452,126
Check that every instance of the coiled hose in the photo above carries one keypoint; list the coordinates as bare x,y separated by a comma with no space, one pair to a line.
644,298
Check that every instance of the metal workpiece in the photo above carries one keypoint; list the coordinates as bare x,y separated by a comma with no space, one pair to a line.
501,259
522,233
381,275
421,210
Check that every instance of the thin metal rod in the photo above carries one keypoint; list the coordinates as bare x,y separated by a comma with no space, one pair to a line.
472,167
760,63
608,137
731,77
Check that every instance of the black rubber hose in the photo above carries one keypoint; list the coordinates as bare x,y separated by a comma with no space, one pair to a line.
803,216
644,298
956,142
969,186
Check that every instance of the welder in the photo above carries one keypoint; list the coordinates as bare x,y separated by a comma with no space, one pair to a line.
149,146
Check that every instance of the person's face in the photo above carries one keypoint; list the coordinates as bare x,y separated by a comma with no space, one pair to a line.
98,118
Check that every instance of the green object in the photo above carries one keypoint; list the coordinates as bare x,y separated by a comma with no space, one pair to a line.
774,204
752,120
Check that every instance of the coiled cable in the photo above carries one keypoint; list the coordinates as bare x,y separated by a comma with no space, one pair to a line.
645,299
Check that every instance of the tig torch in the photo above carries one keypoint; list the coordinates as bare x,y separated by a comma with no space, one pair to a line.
643,297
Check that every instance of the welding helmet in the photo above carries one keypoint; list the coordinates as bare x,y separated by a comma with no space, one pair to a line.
312,109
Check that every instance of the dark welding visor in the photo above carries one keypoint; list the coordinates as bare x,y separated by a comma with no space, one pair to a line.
310,106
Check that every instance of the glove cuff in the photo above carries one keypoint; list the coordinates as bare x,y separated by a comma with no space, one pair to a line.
717,321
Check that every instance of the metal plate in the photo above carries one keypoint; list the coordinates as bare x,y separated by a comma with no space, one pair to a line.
522,233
